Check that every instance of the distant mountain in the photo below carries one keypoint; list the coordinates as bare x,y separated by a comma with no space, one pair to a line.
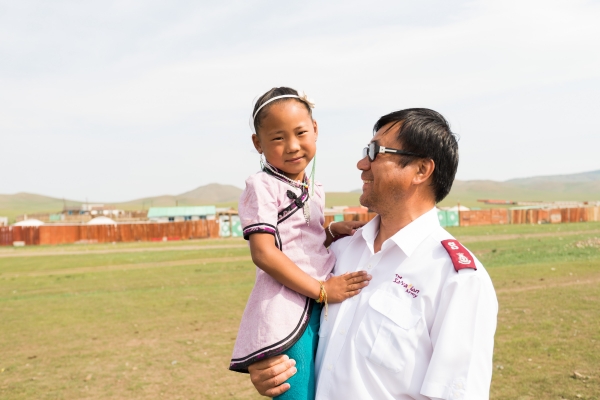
582,186
12,205
213,193
583,177
29,202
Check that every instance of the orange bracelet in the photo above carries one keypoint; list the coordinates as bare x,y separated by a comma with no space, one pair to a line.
323,298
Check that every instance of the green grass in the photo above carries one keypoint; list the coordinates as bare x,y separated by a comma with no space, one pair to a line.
161,322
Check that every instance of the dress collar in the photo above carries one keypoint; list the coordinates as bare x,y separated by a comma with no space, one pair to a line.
279,178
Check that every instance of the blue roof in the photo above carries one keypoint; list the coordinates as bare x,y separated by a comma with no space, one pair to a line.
157,212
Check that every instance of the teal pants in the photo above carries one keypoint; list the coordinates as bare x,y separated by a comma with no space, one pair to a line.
302,384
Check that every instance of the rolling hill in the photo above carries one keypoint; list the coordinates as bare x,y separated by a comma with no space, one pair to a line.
12,205
578,187
213,193
582,187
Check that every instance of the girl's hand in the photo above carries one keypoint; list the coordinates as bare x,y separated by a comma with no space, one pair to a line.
345,228
340,288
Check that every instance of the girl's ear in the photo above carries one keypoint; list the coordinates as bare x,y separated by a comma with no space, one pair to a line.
256,143
316,128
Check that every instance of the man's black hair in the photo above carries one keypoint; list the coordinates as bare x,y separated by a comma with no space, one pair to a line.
426,132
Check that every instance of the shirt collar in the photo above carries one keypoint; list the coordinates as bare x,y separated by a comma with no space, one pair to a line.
407,238
411,236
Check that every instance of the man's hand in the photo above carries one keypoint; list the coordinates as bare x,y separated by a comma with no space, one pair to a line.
268,376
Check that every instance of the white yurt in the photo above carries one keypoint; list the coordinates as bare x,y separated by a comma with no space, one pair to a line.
457,208
101,221
29,222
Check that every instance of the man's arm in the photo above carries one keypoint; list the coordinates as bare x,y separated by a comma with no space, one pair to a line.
268,376
462,336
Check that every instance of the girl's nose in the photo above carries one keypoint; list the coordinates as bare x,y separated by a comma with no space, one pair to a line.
293,145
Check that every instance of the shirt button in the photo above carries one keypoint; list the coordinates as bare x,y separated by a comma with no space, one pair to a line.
342,331
369,267
330,367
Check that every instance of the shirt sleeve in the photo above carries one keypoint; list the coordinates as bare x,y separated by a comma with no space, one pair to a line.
258,207
462,337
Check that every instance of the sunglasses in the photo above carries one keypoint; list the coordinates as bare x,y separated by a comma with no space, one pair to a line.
374,148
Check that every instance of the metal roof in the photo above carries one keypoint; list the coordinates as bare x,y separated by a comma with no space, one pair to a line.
157,212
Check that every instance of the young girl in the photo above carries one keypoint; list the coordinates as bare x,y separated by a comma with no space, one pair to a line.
281,211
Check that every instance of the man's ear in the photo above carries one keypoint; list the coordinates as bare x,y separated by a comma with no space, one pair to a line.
256,143
425,168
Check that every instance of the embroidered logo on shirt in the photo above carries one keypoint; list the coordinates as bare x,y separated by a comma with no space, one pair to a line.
410,289
461,258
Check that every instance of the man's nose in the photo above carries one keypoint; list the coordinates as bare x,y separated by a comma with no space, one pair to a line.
364,163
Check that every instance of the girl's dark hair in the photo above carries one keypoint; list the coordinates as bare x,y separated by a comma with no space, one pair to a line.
424,131
276,91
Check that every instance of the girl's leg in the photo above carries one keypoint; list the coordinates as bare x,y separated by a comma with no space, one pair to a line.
302,384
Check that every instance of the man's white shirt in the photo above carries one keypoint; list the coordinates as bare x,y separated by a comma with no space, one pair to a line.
420,330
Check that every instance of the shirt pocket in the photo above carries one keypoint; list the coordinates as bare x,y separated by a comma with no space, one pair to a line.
387,335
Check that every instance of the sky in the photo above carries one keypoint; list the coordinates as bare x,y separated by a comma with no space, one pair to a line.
116,100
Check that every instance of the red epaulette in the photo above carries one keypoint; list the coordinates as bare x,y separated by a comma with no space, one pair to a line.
461,258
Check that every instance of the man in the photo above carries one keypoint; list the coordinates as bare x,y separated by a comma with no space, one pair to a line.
424,327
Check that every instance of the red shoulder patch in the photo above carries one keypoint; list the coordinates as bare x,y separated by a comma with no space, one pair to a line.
461,258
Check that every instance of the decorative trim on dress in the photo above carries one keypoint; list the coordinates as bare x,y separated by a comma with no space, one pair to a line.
263,227
241,364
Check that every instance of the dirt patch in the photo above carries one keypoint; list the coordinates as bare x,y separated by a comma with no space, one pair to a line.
575,282
491,238
591,242
117,250
130,267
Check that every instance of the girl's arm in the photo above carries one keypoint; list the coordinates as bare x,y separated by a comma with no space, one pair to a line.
272,260
341,228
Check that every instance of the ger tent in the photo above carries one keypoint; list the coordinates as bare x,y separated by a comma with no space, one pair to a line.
29,222
101,221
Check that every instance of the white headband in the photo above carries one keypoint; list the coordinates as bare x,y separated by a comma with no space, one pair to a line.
283,96
302,98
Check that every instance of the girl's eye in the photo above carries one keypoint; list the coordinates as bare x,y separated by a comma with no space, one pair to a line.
302,133
277,138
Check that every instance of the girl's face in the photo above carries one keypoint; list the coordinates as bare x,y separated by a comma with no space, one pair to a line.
287,137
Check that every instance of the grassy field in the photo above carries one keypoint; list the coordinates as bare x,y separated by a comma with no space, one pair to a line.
158,320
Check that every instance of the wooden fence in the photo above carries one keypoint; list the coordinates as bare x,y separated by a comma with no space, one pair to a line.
555,215
501,216
62,234
144,232
492,216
